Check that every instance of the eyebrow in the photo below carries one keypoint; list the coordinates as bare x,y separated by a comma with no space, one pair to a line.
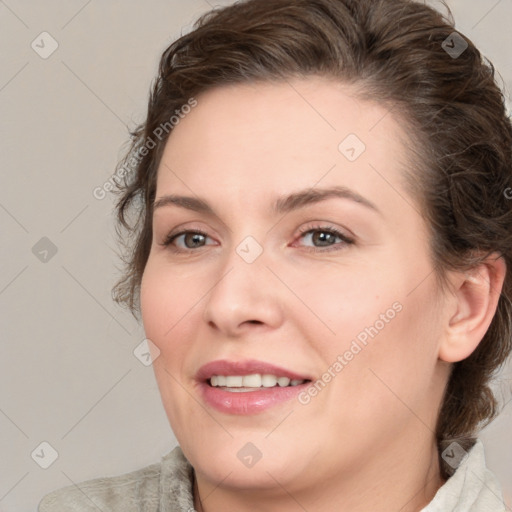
283,204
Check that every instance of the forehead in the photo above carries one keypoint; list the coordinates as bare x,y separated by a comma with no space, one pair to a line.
263,137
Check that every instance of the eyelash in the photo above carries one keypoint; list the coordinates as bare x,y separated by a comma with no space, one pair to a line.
326,229
303,231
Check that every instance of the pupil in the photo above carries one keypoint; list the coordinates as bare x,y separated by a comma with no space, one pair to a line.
196,238
322,237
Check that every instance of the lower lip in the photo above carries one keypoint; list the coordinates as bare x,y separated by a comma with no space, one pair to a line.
248,402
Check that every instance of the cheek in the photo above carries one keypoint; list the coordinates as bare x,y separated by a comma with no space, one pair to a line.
153,303
167,307
381,330
394,372
350,302
167,302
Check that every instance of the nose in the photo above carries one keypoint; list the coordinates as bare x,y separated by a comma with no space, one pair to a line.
243,297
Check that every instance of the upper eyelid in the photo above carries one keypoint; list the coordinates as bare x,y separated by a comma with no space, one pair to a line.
346,238
185,230
302,233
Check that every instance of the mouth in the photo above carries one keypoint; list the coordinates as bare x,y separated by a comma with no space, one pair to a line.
248,387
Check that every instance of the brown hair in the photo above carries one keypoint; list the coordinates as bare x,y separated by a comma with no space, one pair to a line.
395,52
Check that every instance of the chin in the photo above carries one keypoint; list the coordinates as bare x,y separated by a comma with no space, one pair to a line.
260,477
250,464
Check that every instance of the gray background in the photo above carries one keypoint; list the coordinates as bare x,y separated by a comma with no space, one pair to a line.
68,375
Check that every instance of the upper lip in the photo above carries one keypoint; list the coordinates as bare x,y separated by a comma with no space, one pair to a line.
245,367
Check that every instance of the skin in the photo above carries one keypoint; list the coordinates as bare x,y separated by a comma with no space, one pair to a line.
366,441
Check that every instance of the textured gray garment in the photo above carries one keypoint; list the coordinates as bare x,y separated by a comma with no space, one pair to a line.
167,487
161,487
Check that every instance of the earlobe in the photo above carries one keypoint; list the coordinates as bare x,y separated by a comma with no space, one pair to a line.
473,305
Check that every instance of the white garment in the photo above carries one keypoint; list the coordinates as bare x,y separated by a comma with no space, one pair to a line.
472,488
167,487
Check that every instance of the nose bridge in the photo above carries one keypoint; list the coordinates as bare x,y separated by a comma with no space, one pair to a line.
243,291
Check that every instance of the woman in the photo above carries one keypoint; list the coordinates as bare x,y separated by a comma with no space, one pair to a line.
318,232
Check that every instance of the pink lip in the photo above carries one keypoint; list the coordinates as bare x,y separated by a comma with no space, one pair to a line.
250,402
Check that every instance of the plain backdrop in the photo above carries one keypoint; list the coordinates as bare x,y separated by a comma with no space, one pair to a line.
68,373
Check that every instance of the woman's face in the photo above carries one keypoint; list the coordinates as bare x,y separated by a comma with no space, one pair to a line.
289,281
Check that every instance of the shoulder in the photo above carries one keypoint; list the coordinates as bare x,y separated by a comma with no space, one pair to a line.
122,492
134,491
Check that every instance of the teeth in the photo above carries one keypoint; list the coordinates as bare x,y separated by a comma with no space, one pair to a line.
234,382
254,380
268,381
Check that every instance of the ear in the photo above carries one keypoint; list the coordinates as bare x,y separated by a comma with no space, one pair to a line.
471,308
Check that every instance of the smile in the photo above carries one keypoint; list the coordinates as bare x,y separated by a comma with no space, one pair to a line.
247,387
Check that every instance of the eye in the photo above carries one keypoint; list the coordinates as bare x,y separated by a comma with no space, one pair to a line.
325,237
192,239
